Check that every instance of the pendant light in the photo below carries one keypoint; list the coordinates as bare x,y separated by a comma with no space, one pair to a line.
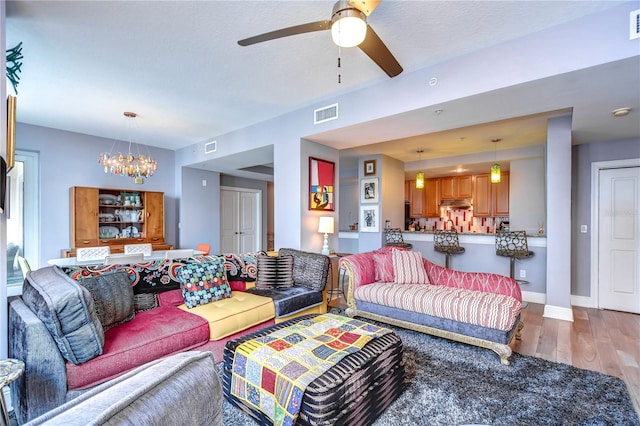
420,174
495,168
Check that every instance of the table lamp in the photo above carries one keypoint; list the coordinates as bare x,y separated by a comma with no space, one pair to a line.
325,226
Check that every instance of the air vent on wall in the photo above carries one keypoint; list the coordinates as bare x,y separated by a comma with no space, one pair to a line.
210,147
325,114
634,24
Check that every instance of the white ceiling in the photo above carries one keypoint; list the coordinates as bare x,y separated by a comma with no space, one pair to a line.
178,65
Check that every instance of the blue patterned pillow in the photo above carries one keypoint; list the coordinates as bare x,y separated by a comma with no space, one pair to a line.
202,283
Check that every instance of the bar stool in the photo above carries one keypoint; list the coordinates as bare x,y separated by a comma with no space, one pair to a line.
447,242
393,237
513,244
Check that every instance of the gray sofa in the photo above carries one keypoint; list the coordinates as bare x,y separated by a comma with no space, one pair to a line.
52,342
183,389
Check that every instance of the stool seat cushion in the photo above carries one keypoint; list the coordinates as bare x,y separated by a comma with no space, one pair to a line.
239,312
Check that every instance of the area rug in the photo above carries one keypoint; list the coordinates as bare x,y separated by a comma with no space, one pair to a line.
450,383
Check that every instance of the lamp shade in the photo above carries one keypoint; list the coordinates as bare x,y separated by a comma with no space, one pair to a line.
495,173
348,28
325,226
420,180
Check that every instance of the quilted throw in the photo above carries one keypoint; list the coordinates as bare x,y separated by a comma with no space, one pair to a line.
272,372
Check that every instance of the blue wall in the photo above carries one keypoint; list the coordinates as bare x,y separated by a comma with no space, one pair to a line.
71,159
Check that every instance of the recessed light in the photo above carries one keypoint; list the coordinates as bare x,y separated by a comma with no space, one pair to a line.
621,112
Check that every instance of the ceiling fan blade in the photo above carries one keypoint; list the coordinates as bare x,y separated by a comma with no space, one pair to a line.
286,32
365,6
378,52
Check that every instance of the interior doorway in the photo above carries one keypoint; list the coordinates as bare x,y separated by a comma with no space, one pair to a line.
240,220
616,231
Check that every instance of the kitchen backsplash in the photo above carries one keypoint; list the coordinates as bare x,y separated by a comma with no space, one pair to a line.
463,221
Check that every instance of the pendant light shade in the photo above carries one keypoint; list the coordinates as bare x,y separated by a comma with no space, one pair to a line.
495,173
495,168
420,180
348,25
420,174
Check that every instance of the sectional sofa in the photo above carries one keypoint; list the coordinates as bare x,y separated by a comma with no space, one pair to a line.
75,328
400,287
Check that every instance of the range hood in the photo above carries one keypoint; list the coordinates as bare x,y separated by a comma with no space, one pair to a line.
456,203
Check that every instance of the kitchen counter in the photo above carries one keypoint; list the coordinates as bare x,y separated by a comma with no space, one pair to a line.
472,238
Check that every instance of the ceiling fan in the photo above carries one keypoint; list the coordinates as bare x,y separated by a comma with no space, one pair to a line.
348,25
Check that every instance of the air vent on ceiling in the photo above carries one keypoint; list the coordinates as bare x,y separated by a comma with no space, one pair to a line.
327,113
210,147
634,24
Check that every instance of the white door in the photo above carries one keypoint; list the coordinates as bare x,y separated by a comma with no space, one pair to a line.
619,239
240,220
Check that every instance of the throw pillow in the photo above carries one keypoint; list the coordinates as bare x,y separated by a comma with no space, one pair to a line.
383,263
66,309
202,283
274,272
147,301
112,297
409,268
309,269
243,266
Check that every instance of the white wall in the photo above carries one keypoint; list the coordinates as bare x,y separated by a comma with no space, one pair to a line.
558,162
310,239
392,193
203,206
527,203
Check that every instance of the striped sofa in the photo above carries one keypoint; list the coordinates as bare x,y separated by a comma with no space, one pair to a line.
400,287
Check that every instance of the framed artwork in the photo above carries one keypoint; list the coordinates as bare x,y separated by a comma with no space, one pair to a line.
369,167
321,184
369,221
11,131
369,190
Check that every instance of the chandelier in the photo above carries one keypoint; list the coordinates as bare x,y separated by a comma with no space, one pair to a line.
136,167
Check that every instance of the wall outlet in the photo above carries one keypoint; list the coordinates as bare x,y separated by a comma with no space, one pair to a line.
583,229
523,273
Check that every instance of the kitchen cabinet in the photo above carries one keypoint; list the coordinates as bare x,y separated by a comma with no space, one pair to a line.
115,217
432,198
407,191
456,187
501,196
416,200
424,202
491,199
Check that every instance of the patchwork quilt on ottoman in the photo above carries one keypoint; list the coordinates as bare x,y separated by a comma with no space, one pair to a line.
316,369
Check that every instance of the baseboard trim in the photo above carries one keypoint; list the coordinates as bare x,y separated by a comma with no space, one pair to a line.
583,301
558,312
529,296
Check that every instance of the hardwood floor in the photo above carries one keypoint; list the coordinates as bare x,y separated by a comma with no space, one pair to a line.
599,340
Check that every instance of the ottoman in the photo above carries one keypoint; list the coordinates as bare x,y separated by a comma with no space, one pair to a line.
354,391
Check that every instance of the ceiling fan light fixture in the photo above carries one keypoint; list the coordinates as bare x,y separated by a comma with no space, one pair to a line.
348,27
